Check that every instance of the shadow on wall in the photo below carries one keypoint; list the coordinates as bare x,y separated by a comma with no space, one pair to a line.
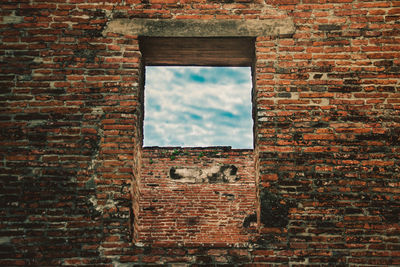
274,211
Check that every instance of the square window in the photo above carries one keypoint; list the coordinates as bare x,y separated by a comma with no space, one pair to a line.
198,91
198,107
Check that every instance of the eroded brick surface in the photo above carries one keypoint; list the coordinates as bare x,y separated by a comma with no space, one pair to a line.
196,196
327,134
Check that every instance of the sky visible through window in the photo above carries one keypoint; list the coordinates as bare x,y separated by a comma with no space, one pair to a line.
198,107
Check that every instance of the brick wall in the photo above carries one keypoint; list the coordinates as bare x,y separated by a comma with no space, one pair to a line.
196,196
327,99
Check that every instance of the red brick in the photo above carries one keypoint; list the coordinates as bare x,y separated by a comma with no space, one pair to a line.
326,128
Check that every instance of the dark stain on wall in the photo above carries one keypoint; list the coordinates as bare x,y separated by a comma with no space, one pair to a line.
216,174
174,175
223,175
274,210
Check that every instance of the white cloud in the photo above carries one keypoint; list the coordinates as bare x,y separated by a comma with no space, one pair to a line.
198,106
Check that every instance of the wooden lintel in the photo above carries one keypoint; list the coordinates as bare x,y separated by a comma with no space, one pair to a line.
197,51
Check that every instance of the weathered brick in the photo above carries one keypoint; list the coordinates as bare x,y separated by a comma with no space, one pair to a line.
76,183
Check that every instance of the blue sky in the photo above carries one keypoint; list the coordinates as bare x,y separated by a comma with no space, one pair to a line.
198,106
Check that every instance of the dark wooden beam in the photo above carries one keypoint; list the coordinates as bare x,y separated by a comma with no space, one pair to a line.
201,51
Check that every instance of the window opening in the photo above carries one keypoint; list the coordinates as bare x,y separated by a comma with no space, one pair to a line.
175,181
198,106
